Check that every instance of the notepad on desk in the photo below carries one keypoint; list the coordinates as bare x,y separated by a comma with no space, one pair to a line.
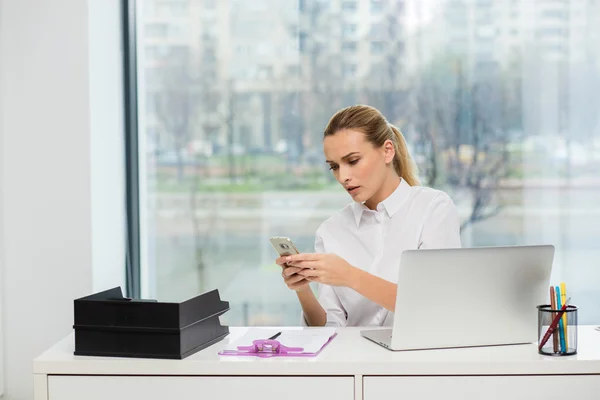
306,341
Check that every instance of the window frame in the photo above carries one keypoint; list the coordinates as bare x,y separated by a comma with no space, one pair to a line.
132,178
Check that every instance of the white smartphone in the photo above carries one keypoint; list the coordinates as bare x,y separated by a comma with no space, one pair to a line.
283,245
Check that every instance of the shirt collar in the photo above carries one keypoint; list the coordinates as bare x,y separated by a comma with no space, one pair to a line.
391,204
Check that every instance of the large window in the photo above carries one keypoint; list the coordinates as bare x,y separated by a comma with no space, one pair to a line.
233,95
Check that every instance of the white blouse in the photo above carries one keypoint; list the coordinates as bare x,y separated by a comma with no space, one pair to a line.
410,218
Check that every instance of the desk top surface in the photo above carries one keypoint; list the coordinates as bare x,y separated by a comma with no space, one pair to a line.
347,354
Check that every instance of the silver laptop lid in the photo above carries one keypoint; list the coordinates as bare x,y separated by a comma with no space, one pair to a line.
471,296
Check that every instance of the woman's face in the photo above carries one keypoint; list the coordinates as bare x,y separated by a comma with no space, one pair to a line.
356,164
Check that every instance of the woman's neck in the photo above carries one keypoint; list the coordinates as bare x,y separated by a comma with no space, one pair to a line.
387,188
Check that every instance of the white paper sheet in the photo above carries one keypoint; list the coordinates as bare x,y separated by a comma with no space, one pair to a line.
310,339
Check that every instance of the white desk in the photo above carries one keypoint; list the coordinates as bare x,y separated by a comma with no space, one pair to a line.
350,367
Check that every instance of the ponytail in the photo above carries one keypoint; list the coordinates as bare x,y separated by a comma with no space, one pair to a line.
403,163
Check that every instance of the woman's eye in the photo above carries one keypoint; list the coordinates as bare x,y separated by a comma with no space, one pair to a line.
333,167
353,161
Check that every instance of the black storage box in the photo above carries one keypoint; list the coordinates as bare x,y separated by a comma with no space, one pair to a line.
108,324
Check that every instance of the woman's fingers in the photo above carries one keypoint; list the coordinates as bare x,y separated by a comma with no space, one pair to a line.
289,271
290,275
281,262
307,272
295,282
303,257
305,264
294,279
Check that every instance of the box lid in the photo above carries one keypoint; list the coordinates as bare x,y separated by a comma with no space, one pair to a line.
110,310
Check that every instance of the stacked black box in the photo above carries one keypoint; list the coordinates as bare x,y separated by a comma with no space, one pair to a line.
108,324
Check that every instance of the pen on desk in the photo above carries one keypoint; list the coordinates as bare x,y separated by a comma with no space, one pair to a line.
275,336
554,323
553,307
563,297
561,331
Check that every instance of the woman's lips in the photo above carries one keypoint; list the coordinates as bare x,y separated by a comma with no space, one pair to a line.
352,189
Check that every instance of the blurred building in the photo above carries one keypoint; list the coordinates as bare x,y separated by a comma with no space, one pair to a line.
549,47
264,75
253,63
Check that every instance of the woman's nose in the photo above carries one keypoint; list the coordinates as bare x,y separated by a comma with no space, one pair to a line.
343,175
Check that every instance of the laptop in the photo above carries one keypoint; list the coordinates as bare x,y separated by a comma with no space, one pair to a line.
468,297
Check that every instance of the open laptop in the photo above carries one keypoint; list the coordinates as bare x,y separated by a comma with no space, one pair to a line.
468,297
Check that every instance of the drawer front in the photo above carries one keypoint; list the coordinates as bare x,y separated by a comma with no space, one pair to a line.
538,387
77,387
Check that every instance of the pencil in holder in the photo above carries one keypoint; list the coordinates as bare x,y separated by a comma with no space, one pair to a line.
557,330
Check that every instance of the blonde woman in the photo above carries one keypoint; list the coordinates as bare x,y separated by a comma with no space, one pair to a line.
357,250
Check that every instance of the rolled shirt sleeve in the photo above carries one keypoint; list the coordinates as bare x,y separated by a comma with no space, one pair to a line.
441,228
329,300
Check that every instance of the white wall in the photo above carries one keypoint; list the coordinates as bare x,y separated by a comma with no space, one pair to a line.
107,144
1,217
61,205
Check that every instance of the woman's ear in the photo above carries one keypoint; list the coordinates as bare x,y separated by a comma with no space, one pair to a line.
389,151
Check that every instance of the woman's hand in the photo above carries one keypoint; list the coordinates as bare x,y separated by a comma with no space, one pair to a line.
329,269
290,276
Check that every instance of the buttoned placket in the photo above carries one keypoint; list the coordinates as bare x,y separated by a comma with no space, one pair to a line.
379,218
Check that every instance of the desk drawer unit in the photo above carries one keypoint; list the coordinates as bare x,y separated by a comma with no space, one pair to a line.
77,387
534,387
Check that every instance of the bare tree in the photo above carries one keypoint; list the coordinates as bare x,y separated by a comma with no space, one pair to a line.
328,80
424,116
227,113
463,128
385,86
481,171
322,68
182,93
176,105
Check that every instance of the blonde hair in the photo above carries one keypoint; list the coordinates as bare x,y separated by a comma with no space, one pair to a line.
377,129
